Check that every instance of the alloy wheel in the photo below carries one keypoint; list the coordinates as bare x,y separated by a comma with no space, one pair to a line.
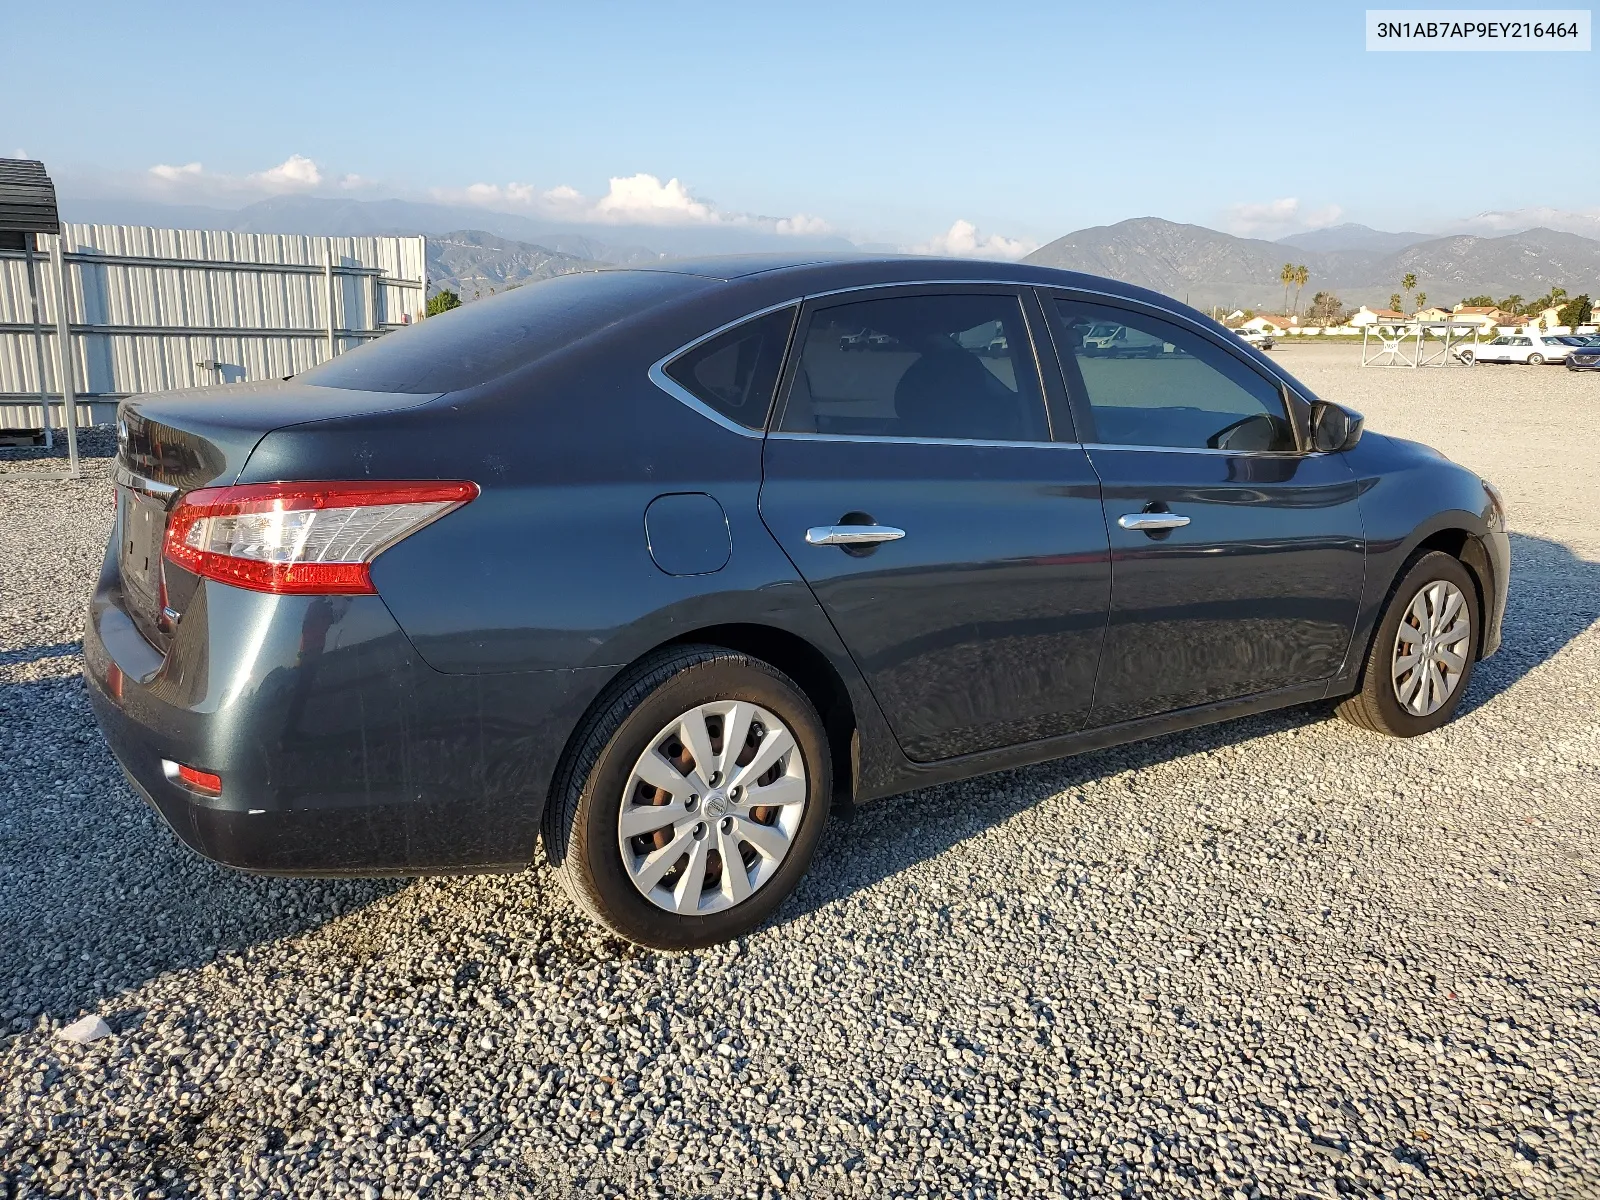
1431,648
711,807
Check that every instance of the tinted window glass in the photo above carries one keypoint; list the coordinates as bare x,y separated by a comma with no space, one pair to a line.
1152,383
735,372
488,338
948,366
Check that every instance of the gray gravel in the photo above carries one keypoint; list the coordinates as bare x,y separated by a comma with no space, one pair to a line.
1275,958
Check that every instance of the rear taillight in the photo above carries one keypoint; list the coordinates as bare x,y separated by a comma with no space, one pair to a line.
302,538
206,783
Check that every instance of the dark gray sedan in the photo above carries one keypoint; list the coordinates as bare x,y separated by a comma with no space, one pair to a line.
654,566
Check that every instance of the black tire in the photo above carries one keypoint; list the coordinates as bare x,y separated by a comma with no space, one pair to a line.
1375,706
1536,360
581,820
1467,358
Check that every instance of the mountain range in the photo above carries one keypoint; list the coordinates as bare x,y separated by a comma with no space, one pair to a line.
1206,267
473,249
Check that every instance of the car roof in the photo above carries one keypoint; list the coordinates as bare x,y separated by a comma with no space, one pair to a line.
818,272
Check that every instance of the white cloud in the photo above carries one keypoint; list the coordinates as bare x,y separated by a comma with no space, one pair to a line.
965,240
1274,218
645,199
185,173
292,174
1491,224
802,225
641,199
297,173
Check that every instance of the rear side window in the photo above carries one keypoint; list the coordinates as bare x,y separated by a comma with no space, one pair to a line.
933,366
734,374
489,338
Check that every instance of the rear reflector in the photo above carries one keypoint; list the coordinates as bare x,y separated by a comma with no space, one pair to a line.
192,778
303,538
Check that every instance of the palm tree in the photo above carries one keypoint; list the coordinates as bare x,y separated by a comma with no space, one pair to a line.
1286,277
1395,302
1422,301
1301,276
1407,282
1511,304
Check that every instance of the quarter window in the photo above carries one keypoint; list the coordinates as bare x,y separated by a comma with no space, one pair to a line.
931,366
735,373
1150,382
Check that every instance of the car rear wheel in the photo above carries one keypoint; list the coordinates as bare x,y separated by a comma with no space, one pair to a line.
1467,357
693,801
1536,360
1422,655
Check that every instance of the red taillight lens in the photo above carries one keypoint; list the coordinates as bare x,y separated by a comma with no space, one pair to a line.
302,538
200,781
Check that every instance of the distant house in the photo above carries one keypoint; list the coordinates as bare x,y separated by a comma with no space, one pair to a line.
1431,314
1549,320
1489,316
1268,323
1375,316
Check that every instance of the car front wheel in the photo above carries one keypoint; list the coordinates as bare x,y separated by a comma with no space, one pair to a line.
1422,655
693,799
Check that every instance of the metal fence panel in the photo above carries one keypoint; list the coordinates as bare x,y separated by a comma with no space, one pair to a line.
153,309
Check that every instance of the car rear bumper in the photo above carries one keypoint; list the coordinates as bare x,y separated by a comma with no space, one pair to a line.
339,751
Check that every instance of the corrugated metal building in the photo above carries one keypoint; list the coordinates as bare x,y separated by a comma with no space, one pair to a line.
152,309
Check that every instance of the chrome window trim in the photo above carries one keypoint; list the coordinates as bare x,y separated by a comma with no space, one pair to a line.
1205,450
658,372
659,377
789,436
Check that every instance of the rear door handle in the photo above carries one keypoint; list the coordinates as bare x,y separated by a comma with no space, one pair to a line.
1148,521
852,535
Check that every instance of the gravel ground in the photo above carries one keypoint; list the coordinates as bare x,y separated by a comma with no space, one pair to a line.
1277,958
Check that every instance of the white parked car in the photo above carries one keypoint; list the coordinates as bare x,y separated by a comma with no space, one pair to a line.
1528,348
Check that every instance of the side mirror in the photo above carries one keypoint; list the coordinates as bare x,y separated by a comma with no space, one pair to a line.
1334,427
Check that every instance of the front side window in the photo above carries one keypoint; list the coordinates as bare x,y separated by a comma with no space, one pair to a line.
1160,384
734,374
931,366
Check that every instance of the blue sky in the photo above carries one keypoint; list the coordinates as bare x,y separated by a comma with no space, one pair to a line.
882,121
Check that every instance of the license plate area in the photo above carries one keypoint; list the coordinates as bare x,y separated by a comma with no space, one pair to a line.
141,524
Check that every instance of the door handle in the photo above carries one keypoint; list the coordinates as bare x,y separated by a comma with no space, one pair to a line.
1152,520
852,535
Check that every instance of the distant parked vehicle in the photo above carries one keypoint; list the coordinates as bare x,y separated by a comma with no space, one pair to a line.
1118,341
1585,357
1531,348
1258,338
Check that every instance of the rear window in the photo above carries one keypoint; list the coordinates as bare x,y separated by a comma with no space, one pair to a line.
486,339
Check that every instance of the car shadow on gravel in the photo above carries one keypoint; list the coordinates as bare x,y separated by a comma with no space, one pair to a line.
1554,597
97,895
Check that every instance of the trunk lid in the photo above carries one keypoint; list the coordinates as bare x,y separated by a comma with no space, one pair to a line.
171,444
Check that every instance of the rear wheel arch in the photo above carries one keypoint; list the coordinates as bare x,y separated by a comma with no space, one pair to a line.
797,658
812,673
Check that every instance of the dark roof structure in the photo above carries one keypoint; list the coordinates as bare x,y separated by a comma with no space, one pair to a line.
27,198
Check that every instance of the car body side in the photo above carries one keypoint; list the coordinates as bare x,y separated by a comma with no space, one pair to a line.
420,729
